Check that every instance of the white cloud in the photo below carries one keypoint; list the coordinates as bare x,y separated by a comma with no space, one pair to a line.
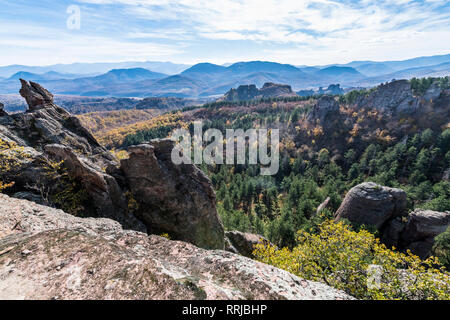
295,31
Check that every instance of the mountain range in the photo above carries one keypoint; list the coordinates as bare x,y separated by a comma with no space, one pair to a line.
164,79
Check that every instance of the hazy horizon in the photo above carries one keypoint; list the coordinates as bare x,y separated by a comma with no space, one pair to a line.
222,64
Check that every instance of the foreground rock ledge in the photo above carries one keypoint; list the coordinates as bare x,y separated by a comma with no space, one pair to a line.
48,254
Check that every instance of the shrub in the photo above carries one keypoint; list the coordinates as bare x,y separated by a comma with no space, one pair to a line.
343,258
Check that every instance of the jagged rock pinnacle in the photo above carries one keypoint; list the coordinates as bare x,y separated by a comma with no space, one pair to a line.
35,95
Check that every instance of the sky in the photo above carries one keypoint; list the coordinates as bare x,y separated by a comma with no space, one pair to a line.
309,32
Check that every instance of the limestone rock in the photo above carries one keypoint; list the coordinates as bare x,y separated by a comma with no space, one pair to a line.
372,205
48,254
244,242
174,199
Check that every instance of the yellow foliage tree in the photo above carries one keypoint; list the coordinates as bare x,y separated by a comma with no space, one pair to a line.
346,260
10,156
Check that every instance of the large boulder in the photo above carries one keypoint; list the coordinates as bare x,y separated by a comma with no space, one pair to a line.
244,243
421,229
48,254
174,199
371,204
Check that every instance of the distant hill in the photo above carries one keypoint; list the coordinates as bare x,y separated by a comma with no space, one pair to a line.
204,68
140,79
89,69
51,75
335,71
128,75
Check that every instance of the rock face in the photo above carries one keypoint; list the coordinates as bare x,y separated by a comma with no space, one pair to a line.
395,94
325,106
242,93
36,96
178,200
421,229
250,92
244,242
333,89
48,254
2,112
372,205
270,90
182,203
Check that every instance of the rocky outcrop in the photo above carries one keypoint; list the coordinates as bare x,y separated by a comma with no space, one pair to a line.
50,134
384,208
333,89
36,96
242,93
48,254
178,199
398,96
250,92
272,90
2,111
144,193
372,205
393,95
326,106
244,243
421,229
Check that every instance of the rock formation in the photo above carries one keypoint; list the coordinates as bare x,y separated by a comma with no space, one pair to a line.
178,200
36,96
372,204
2,111
243,242
325,106
48,254
384,208
333,89
271,90
421,229
250,92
